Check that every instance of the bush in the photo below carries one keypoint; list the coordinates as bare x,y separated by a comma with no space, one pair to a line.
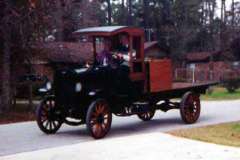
180,80
210,90
231,84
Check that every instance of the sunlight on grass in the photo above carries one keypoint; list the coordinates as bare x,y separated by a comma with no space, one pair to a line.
225,134
220,93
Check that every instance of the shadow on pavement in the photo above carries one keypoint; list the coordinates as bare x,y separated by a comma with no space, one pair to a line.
135,127
117,130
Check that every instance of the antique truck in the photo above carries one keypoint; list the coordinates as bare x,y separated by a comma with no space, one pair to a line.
132,86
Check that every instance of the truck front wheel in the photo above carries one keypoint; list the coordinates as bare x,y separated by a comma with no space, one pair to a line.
48,116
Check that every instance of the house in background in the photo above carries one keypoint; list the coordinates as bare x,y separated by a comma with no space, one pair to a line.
66,54
206,66
54,55
153,50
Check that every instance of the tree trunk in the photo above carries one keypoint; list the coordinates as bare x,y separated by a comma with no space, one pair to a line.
212,13
6,76
109,10
129,12
123,5
222,27
59,21
233,13
145,19
1,110
146,12
123,13
30,98
203,14
6,101
223,9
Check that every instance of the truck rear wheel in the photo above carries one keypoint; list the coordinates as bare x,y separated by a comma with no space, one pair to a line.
190,107
99,119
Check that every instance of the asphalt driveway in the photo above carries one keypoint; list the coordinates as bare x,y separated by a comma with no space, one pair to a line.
22,137
147,146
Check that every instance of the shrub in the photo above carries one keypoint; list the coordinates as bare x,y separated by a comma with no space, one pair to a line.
231,84
209,90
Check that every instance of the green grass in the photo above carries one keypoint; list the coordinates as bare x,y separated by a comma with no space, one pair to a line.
220,93
225,134
236,127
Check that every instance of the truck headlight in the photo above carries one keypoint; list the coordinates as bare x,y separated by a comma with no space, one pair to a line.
78,87
48,86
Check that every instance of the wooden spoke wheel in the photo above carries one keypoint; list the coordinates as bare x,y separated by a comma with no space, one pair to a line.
190,108
48,117
147,116
99,119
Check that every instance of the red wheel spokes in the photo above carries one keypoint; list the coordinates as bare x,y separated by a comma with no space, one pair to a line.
191,107
97,130
99,108
100,127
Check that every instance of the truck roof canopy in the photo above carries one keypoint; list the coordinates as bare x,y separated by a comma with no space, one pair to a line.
100,29
108,30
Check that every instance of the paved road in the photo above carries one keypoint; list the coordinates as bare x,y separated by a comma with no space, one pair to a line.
22,137
147,146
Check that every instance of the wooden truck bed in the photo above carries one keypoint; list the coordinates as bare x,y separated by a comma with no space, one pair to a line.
160,80
179,89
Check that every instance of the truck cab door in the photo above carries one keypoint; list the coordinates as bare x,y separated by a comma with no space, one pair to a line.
137,66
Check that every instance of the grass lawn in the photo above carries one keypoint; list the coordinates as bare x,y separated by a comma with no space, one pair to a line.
220,93
225,134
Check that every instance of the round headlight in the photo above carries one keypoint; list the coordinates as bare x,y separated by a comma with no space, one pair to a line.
78,87
49,86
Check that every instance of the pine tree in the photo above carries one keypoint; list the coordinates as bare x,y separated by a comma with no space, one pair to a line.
6,74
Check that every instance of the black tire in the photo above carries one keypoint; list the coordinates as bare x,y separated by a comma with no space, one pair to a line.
147,116
99,119
47,118
190,107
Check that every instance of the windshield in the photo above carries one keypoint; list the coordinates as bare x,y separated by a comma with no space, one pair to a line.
116,46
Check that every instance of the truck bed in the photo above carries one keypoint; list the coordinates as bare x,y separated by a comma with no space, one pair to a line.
178,89
181,85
